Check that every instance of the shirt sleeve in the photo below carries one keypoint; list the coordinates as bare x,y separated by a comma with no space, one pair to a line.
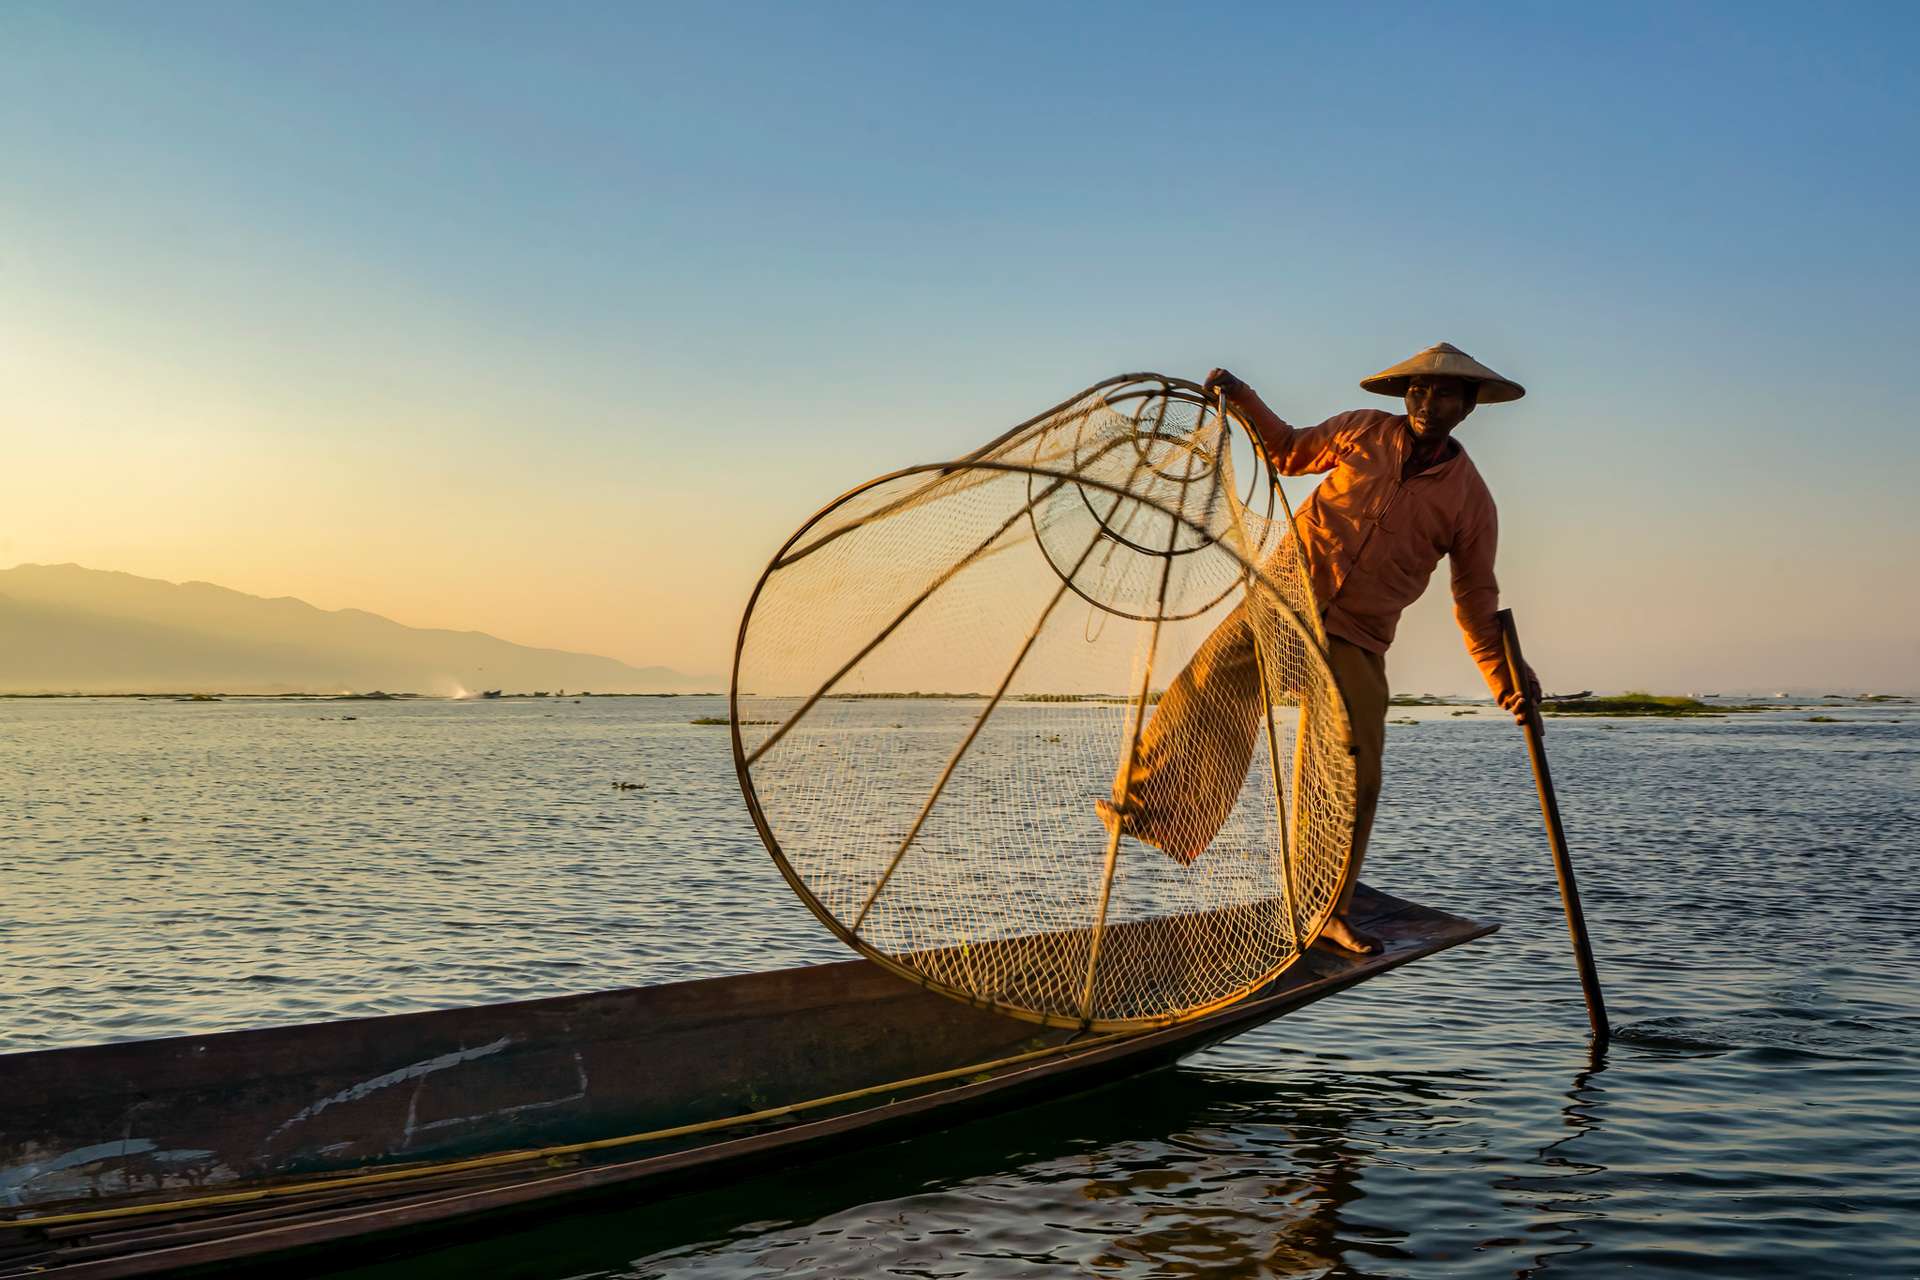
1302,451
1476,595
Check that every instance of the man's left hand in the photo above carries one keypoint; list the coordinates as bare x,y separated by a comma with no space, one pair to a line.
1525,704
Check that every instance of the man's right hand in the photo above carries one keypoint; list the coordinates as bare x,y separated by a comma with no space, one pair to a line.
1219,380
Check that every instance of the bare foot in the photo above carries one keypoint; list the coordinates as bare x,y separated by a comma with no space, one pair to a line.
1347,938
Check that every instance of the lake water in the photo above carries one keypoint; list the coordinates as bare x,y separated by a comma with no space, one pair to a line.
1752,884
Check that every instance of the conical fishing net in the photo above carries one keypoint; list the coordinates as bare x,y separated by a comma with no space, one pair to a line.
1050,728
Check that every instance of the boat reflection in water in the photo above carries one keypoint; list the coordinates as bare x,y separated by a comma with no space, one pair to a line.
1204,1170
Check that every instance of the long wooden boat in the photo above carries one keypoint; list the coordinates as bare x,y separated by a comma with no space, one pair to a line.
245,1147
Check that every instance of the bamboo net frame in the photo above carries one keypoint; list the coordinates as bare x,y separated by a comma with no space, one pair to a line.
1142,808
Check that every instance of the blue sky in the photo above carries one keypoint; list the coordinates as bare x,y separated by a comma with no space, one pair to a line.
555,320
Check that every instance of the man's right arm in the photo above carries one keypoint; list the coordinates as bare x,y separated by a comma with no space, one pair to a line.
1294,451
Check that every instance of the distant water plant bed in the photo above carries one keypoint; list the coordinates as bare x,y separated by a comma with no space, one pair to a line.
724,720
1101,699
859,696
1638,703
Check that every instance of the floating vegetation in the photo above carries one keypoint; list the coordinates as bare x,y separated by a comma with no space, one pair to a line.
1825,720
724,720
1467,712
1408,720
629,786
1639,703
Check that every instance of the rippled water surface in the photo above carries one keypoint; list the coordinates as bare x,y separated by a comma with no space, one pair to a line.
1753,886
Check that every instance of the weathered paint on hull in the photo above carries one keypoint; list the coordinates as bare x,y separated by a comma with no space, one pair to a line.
208,1111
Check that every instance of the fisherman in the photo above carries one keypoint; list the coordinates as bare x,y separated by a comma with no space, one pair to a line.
1402,493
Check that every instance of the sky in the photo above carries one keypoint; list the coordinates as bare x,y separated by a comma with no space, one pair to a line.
554,321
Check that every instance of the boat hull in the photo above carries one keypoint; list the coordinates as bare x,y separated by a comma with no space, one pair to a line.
170,1123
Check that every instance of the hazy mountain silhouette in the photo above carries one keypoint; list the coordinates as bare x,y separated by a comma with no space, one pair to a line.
64,628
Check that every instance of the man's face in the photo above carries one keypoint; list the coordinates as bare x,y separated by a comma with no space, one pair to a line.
1436,405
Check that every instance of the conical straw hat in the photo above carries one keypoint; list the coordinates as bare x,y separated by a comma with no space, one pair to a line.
1444,359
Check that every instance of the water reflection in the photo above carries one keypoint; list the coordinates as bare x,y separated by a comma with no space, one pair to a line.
1266,1187
1190,1171
1565,1204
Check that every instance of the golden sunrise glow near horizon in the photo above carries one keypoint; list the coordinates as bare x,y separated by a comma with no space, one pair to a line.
555,324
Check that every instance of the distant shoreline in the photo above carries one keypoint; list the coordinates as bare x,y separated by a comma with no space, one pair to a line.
1635,703
199,695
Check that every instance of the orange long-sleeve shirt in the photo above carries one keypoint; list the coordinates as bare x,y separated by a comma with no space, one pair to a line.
1372,541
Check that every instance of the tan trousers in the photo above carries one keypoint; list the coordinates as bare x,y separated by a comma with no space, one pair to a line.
1197,745
1362,678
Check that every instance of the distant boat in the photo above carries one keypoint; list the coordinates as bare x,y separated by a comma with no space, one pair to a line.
490,693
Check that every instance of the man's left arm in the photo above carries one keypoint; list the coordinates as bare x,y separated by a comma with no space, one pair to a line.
1476,599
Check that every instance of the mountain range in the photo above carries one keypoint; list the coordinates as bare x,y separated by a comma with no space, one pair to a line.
68,629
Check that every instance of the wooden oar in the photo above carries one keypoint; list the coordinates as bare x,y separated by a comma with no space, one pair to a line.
1556,836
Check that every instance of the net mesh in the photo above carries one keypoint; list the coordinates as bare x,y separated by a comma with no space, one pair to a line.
1051,728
